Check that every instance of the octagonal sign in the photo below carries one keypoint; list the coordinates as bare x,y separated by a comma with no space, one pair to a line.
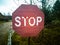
28,20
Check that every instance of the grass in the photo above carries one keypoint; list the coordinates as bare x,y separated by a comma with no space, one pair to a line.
2,22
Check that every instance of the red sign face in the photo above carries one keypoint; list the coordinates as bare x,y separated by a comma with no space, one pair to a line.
28,20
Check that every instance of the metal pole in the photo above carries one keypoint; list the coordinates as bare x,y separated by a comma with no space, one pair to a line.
29,41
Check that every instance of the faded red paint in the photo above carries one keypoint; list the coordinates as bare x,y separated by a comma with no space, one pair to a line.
30,11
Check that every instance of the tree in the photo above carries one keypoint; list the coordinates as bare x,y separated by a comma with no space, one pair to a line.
56,11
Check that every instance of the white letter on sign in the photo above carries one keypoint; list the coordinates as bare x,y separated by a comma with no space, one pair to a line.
17,19
39,19
30,21
24,20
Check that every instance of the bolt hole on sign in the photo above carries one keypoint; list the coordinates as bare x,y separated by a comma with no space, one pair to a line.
28,20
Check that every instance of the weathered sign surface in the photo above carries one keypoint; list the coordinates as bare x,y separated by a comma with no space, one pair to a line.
28,20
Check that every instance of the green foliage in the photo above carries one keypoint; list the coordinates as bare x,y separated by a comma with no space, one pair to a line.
3,39
5,18
56,11
17,40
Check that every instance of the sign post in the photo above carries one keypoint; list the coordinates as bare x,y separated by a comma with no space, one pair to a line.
28,40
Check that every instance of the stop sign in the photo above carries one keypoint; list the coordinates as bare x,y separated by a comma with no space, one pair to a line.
28,20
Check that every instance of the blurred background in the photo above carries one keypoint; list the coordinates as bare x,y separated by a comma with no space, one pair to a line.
50,35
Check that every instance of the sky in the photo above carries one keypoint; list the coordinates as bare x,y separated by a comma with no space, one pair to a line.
9,6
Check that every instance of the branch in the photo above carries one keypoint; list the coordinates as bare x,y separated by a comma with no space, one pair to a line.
26,1
15,2
34,2
38,0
